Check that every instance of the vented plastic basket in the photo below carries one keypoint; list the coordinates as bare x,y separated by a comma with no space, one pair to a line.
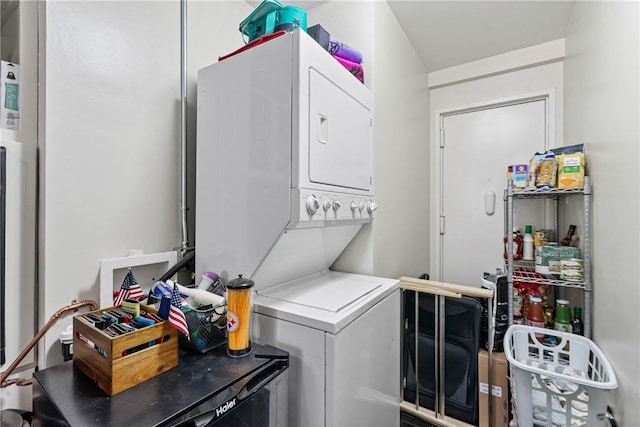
560,384
207,328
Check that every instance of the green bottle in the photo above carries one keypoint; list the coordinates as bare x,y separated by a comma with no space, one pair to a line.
562,320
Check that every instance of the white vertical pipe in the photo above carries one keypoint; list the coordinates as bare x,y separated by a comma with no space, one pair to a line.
183,123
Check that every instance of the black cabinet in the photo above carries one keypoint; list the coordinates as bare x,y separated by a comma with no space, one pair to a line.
208,389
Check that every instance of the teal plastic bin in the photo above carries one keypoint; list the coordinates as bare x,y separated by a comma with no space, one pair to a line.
271,16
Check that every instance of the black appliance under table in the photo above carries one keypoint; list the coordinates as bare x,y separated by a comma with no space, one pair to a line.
208,389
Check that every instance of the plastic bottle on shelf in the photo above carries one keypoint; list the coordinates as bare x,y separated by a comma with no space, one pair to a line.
535,314
562,320
577,325
516,249
517,302
527,244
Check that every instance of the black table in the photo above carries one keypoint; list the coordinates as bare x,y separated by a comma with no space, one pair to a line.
63,395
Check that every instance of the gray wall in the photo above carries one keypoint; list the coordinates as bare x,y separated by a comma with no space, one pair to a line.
601,110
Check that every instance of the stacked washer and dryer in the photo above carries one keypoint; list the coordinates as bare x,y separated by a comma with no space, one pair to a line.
284,183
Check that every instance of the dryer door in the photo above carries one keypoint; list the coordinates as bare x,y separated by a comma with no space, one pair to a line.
339,136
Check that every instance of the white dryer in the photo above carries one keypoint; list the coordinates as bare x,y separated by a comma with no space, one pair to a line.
284,183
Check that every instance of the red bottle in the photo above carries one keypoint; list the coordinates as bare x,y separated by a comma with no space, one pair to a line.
516,249
535,314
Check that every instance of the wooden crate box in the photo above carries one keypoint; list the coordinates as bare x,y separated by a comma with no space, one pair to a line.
110,362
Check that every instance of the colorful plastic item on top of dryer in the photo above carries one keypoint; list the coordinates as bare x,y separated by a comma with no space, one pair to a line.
290,18
271,16
339,49
261,21
356,69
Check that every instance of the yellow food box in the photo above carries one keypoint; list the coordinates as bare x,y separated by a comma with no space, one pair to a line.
571,170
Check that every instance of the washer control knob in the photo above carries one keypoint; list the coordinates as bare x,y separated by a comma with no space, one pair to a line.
313,204
372,207
360,206
336,205
353,206
326,205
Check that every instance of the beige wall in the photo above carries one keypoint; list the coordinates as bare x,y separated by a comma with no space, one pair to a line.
601,110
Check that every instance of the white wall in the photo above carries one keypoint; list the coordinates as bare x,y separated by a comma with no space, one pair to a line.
601,110
109,144
110,141
401,132
396,243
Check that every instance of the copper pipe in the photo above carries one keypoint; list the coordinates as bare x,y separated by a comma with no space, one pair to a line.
74,306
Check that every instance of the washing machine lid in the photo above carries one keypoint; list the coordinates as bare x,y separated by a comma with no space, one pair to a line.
327,300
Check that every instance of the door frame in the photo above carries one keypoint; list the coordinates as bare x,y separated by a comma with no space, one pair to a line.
435,187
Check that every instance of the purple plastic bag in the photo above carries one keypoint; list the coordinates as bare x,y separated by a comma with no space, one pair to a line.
353,67
337,48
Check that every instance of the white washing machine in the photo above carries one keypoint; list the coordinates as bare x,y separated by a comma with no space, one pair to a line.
284,183
341,331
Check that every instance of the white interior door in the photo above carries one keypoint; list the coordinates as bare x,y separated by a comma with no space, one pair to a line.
476,149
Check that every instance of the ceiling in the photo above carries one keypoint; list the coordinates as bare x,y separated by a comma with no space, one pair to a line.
450,32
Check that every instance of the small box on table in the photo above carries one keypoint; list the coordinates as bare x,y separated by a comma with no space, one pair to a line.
118,363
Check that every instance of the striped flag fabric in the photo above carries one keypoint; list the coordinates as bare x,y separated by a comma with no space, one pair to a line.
130,289
176,316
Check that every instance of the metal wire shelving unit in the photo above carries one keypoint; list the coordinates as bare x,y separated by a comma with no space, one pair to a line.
525,271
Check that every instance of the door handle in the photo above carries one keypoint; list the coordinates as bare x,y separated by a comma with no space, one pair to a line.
323,129
263,378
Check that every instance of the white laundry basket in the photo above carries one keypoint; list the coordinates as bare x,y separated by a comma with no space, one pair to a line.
560,384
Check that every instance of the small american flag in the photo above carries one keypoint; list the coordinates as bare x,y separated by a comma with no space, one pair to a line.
176,316
130,289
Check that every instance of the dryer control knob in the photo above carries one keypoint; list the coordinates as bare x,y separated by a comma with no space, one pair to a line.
336,205
372,207
353,206
313,204
326,205
360,206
